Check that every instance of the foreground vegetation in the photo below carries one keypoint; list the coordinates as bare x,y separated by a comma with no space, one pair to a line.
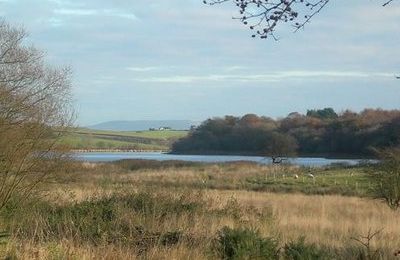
180,210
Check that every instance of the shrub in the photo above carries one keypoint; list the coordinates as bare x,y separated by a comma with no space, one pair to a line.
135,165
131,219
244,243
300,250
386,178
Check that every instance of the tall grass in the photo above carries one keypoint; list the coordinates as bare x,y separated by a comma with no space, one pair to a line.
114,211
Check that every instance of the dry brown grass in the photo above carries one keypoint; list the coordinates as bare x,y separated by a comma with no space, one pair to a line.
331,220
325,220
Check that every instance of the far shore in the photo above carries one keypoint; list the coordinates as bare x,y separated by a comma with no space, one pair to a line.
327,156
117,151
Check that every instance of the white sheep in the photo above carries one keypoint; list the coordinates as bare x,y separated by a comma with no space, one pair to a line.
311,175
296,176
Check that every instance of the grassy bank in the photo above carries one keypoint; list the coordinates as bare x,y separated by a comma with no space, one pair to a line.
348,181
177,210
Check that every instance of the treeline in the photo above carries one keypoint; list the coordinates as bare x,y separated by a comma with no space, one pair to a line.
319,132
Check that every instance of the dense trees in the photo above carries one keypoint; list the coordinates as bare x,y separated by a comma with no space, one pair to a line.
264,16
320,132
326,113
34,101
249,134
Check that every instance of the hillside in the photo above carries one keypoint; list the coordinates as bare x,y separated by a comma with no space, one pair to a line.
84,138
142,125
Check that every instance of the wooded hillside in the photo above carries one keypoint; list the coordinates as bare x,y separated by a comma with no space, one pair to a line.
319,132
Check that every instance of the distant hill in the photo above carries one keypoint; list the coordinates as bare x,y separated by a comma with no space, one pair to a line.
141,125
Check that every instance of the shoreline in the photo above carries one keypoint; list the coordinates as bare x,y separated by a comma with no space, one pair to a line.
116,151
324,156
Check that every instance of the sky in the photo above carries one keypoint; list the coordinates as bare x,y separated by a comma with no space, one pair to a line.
181,59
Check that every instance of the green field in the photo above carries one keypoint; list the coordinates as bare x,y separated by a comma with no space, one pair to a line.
345,181
83,138
350,181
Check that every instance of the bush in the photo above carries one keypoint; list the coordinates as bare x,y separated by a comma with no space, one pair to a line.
385,177
299,250
132,219
135,165
244,243
35,112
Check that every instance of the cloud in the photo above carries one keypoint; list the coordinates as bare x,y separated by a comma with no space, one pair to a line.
55,22
180,48
79,12
235,68
268,77
95,12
142,69
60,2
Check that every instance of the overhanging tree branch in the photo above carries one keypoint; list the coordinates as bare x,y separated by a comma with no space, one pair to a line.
264,16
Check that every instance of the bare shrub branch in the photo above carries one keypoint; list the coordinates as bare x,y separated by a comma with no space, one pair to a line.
35,109
386,177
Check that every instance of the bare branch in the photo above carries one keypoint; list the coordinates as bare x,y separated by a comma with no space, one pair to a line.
264,16
387,3
34,100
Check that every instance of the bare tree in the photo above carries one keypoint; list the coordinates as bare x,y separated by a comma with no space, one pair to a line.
35,109
386,177
263,16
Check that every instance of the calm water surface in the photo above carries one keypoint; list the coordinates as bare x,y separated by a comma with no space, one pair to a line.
115,156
